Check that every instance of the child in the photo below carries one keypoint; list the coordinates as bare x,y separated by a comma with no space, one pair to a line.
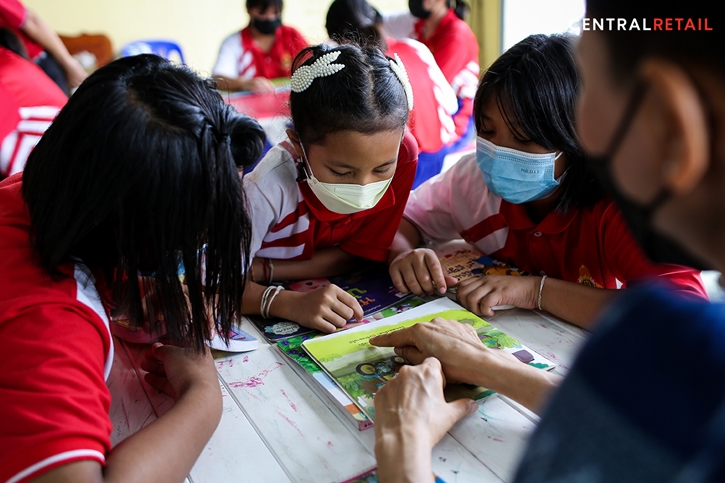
526,199
440,25
263,50
334,191
135,174
431,121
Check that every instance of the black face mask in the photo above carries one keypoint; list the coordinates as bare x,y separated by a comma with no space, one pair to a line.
416,8
658,248
266,27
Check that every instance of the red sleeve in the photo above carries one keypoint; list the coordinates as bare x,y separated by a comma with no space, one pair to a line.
54,402
375,236
629,263
12,14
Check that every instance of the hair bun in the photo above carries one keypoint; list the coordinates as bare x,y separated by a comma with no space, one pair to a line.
246,139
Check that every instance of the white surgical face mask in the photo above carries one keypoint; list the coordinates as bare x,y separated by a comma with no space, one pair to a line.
345,199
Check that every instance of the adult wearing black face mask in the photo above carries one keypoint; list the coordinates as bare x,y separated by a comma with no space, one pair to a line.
439,24
262,51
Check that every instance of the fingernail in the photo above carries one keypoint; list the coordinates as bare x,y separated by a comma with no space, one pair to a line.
442,290
399,351
472,407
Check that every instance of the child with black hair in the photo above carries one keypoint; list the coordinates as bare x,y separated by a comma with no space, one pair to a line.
261,51
527,199
136,174
440,25
335,190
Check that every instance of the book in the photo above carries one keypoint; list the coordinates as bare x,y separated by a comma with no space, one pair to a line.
373,289
239,341
360,369
321,383
466,263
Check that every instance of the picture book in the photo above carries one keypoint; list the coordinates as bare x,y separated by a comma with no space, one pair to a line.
239,341
372,288
465,264
320,382
361,369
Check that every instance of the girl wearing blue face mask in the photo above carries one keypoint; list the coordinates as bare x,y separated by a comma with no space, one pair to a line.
527,199
334,192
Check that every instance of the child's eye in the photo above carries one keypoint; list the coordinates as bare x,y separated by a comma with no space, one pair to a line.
341,175
522,141
382,171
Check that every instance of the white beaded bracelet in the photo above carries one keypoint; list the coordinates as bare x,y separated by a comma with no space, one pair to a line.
541,287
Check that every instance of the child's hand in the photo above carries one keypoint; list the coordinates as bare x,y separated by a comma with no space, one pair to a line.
479,294
419,271
325,309
175,370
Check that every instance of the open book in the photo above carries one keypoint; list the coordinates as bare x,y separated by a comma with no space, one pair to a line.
372,288
361,369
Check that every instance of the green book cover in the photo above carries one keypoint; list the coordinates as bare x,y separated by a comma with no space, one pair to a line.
360,369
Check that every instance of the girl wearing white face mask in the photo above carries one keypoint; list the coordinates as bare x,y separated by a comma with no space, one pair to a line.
336,189
526,199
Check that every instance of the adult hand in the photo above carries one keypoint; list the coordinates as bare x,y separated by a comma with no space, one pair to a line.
454,344
479,294
326,308
175,370
419,271
411,416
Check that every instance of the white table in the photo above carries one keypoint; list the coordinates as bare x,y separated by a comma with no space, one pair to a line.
274,428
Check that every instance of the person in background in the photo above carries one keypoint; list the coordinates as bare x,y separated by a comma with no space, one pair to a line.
136,174
261,51
42,44
652,115
431,121
30,101
440,25
526,198
333,193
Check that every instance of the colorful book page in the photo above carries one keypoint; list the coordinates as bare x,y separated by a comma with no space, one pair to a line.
373,289
465,264
239,341
361,369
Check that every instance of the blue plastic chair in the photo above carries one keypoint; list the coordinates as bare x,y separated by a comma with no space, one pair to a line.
163,48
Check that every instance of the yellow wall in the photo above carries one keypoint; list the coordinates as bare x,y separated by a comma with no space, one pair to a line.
198,26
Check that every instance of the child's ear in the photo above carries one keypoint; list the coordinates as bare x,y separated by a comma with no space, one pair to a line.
295,140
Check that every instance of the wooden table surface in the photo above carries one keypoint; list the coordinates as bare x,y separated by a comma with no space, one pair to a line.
274,428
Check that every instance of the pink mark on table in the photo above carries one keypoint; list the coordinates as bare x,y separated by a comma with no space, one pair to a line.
329,444
291,423
246,359
257,380
498,440
292,405
227,362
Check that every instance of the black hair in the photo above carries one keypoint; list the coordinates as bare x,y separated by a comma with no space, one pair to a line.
354,21
10,41
535,85
686,47
460,8
137,173
263,5
366,96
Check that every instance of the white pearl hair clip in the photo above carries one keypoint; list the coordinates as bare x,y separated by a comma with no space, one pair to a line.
399,70
322,67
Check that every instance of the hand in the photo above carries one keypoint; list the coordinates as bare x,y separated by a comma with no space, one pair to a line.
454,344
74,72
259,85
411,416
479,294
419,271
175,370
326,309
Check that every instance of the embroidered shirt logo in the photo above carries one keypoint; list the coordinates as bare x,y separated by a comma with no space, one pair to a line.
585,278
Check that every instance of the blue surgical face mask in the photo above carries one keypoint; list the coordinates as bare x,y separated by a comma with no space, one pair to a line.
516,176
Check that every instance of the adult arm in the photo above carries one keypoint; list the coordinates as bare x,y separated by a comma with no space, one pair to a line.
257,84
464,358
35,28
165,450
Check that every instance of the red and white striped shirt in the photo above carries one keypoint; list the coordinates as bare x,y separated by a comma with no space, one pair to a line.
56,354
240,55
290,223
30,101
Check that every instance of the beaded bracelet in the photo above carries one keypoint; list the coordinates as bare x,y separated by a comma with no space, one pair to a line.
277,290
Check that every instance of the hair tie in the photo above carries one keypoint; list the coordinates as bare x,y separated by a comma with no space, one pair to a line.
399,70
322,67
